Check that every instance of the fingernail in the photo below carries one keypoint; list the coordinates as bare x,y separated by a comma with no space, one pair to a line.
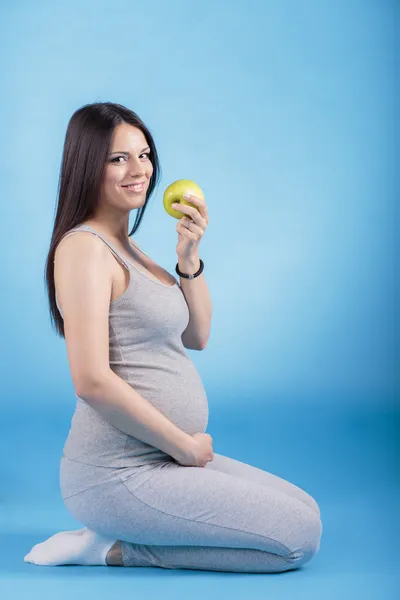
186,196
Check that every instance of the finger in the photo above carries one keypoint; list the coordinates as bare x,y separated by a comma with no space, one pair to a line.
189,233
192,236
198,202
187,210
191,225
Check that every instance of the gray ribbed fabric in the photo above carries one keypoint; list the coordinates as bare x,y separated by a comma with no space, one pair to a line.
227,516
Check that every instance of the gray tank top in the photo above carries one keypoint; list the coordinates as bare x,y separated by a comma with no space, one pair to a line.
145,327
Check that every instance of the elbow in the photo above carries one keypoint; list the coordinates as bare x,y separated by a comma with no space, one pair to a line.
89,386
202,345
85,389
199,346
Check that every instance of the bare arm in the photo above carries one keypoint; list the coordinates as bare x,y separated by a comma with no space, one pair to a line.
198,300
127,410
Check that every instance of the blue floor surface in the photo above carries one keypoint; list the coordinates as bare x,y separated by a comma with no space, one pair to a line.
344,454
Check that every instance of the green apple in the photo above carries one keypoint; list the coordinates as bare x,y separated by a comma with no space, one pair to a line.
175,193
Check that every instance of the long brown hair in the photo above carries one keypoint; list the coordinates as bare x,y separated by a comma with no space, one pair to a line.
86,147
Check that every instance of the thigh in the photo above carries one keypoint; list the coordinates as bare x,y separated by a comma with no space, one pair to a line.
236,468
170,504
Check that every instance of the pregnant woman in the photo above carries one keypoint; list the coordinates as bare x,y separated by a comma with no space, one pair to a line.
138,469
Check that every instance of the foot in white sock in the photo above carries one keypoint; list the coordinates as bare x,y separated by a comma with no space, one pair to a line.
79,547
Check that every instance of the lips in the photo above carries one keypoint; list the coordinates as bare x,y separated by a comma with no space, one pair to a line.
134,183
135,190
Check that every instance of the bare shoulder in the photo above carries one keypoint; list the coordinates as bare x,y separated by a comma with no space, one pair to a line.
72,250
78,244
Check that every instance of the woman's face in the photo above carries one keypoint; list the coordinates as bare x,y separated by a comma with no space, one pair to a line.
128,162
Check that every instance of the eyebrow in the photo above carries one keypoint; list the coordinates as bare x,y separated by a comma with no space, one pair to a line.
127,153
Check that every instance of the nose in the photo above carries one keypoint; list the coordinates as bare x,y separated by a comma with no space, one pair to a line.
135,167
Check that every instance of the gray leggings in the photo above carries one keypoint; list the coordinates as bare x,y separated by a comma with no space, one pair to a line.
226,516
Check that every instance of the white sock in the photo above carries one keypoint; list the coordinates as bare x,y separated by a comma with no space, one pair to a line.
79,547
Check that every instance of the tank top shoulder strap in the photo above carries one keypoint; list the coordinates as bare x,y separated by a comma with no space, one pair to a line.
113,249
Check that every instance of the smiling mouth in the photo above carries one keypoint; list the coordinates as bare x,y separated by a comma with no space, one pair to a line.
137,187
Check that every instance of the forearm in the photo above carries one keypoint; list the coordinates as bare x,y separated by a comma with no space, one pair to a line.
128,411
198,299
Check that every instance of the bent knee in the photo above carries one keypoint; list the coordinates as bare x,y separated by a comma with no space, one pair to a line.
312,503
308,543
307,499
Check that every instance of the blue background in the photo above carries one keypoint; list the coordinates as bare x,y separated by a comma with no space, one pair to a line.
285,114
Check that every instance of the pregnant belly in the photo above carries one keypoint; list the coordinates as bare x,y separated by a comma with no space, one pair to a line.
181,397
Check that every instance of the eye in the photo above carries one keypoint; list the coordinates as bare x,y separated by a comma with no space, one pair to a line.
117,157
